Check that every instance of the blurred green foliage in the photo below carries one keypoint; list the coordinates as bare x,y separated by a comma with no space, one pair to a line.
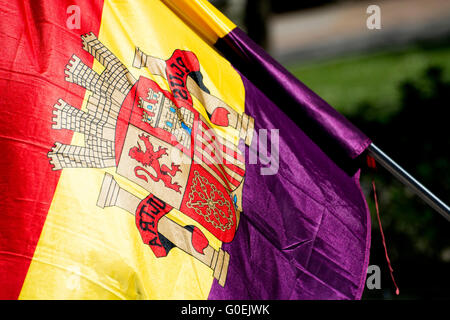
400,99
373,78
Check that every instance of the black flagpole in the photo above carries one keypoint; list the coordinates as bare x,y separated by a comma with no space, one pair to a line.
409,181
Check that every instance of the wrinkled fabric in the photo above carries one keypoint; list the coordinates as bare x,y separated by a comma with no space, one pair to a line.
36,46
305,231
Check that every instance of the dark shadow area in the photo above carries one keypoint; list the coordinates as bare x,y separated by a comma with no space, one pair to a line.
417,137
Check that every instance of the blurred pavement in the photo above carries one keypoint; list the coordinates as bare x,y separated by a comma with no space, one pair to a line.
341,28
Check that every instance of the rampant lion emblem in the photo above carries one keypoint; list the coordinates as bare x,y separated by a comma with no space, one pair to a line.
150,158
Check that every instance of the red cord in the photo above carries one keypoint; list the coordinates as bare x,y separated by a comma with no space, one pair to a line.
397,291
372,164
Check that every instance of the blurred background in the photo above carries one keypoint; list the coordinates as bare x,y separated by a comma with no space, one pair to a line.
394,84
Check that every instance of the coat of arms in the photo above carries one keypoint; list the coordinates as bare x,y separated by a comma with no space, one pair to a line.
158,140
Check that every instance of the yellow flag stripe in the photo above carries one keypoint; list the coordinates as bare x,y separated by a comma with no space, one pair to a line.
208,22
86,252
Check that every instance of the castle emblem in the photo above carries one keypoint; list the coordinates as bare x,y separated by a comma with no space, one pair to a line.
159,141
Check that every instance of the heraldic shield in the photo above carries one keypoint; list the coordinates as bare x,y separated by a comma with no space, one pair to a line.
158,140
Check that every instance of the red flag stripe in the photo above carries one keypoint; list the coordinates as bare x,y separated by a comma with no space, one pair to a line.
36,45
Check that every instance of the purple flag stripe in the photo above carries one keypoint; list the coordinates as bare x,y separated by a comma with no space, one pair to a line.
328,128
305,231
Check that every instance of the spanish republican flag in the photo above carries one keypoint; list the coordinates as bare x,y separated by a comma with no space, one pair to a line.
146,155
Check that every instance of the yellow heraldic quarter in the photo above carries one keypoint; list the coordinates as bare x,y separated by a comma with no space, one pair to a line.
91,246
